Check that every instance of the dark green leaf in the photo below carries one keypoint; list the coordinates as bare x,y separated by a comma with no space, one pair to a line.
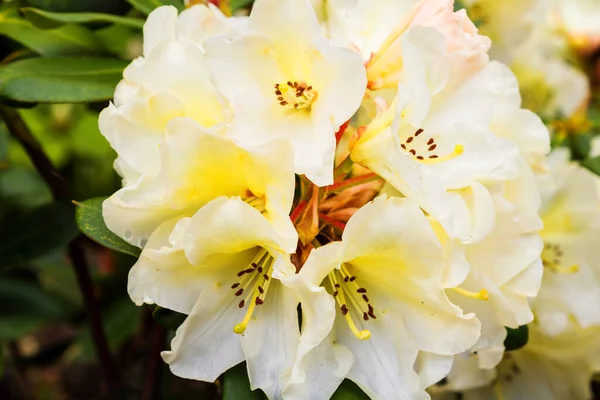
61,79
146,6
90,222
104,6
236,385
168,318
593,164
24,306
349,391
580,145
516,338
47,19
66,40
23,187
120,320
237,4
36,233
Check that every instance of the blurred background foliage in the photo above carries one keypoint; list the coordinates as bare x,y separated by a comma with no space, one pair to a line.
60,62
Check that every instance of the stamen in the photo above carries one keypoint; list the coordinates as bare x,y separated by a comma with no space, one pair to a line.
430,158
343,294
295,95
551,258
258,283
481,295
435,159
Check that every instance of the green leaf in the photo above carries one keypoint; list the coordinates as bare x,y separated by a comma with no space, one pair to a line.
580,145
592,164
236,385
47,19
168,318
120,320
237,4
103,6
24,306
89,220
146,6
348,390
66,40
36,233
61,79
516,338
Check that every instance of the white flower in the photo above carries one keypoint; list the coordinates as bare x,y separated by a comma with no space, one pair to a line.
197,167
571,215
436,145
171,80
386,278
549,368
285,80
232,289
579,19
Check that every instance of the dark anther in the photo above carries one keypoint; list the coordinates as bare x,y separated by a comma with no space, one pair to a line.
235,285
352,279
372,314
259,301
365,316
260,289
361,290
239,292
266,277
241,305
241,272
430,141
418,132
410,139
335,293
432,147
419,157
344,309
365,298
346,279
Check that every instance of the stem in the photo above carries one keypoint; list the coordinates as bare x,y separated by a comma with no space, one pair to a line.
339,226
357,180
17,127
296,212
152,386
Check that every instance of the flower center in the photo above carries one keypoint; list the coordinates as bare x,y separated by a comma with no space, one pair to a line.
551,258
351,298
252,286
425,152
295,95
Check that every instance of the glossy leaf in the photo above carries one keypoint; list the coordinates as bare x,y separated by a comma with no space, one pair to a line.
90,222
516,338
61,79
65,40
236,385
36,233
47,19
146,6
592,164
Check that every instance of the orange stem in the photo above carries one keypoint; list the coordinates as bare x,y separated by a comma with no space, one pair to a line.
296,212
334,223
357,180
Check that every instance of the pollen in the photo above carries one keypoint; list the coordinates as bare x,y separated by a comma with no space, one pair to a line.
295,95
424,150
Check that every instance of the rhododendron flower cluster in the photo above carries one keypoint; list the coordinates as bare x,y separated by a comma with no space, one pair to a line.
329,190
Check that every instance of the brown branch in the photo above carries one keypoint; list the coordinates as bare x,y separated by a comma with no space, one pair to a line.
19,130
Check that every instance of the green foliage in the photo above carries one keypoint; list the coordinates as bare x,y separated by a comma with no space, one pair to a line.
146,6
103,6
592,164
580,145
237,4
65,40
236,385
36,233
348,390
90,222
168,318
48,20
516,338
24,306
120,320
60,79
